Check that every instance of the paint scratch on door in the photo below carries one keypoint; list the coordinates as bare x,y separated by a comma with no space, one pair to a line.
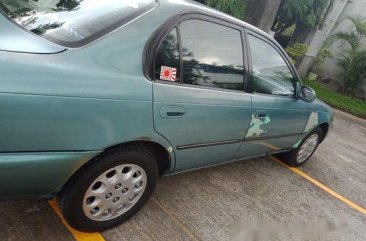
312,122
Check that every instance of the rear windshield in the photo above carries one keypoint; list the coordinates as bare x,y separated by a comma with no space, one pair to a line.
73,22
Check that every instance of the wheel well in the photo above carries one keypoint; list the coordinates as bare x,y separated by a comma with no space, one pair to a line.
160,153
324,127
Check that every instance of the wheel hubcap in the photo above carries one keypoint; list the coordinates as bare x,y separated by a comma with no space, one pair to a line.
307,148
114,192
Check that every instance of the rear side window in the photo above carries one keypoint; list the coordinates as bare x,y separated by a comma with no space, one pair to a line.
211,55
167,61
68,22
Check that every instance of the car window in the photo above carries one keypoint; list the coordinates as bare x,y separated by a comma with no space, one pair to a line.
69,21
212,55
271,74
167,59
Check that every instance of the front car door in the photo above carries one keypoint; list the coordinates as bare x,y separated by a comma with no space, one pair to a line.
278,117
200,105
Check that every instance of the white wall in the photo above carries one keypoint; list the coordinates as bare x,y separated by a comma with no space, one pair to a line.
317,39
354,8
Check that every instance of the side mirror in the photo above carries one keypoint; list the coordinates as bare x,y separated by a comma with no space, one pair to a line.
307,94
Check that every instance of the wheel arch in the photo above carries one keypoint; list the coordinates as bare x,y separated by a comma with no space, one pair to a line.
325,128
164,157
322,121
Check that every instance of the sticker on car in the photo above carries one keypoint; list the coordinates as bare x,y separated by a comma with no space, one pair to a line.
168,73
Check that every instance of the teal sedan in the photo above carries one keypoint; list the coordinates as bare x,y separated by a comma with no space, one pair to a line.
100,98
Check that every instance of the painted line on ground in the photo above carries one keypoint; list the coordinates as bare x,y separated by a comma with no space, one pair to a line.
322,186
79,236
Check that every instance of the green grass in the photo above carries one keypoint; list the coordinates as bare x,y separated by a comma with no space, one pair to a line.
348,104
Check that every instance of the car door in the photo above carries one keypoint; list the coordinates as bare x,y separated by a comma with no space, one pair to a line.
200,105
278,117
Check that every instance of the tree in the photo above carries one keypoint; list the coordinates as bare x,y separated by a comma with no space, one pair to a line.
261,13
235,8
304,14
352,59
67,5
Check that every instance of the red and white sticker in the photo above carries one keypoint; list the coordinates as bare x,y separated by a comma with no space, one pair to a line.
168,73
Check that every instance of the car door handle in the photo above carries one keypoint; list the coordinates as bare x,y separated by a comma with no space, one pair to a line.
261,114
175,113
172,111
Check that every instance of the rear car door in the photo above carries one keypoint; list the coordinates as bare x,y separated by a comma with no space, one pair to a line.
278,117
200,105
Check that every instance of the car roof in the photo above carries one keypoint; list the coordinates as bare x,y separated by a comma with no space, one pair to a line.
21,40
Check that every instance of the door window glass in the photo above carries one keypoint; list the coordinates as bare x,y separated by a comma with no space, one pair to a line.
212,55
271,74
167,59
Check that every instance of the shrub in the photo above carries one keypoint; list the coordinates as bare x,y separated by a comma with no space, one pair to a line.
297,51
352,58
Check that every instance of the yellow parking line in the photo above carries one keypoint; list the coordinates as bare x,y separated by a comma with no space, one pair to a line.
322,186
79,236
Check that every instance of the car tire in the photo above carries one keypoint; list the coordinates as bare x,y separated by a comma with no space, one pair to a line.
300,155
109,190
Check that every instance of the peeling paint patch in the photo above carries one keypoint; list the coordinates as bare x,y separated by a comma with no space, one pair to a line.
297,144
255,126
312,121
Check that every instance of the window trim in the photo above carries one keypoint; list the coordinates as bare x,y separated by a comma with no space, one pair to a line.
160,34
197,86
180,49
284,57
180,55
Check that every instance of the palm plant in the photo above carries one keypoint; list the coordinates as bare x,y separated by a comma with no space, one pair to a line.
352,58
307,13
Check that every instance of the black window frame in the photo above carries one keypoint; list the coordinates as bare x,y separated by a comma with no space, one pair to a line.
284,56
153,71
161,33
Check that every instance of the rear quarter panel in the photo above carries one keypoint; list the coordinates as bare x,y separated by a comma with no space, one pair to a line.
57,111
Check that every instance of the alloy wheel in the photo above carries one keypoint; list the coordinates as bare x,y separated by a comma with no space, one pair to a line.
307,148
114,192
